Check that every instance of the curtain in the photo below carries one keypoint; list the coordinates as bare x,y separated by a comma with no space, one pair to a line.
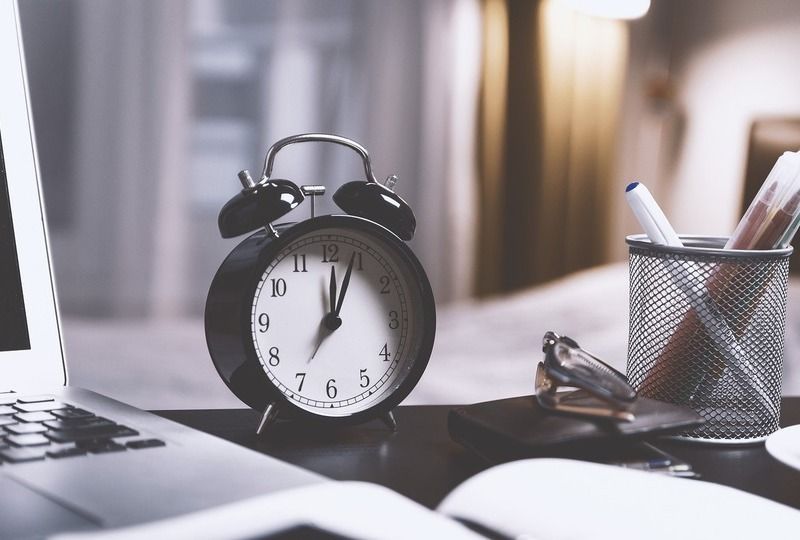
447,211
162,102
550,95
121,252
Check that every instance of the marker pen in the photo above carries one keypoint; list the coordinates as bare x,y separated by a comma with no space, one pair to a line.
650,216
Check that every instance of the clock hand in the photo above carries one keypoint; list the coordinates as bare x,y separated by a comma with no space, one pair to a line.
331,320
345,283
323,332
332,289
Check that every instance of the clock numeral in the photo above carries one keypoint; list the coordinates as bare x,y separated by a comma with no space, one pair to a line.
394,322
364,379
330,389
302,377
359,261
278,287
385,352
299,262
384,281
263,322
273,356
330,253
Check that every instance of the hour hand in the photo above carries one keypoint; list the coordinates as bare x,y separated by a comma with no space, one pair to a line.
345,283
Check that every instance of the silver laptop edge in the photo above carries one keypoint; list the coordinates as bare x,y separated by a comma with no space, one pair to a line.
42,207
44,360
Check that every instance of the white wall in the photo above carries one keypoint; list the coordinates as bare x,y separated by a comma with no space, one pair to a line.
733,61
730,61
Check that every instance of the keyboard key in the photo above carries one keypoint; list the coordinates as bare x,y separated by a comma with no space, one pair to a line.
32,439
145,443
44,406
18,455
91,433
21,429
39,416
106,448
66,452
42,426
73,413
78,423
125,432
34,399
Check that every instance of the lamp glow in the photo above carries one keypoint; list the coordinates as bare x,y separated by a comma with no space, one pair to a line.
611,9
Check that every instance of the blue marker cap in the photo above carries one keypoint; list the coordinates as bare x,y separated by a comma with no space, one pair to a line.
631,186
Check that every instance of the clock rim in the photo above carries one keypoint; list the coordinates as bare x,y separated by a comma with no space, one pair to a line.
267,253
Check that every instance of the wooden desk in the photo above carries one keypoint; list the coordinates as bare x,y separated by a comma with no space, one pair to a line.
421,462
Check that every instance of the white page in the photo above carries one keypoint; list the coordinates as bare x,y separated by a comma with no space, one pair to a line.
567,499
350,509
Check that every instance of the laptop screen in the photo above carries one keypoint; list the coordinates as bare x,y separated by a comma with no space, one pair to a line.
31,356
13,321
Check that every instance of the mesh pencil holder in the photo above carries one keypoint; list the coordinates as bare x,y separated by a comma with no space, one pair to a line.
707,331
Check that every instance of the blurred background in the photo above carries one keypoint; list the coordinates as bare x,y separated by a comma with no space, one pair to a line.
513,125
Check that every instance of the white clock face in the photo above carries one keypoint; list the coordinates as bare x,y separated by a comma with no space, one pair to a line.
335,342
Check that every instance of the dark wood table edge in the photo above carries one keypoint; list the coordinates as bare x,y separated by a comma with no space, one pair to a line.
423,463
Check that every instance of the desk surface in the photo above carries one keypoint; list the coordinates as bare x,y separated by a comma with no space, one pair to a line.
421,462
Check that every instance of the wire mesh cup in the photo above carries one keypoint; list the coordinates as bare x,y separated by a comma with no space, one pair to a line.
707,330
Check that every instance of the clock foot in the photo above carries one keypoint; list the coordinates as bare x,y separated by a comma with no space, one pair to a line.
270,413
389,420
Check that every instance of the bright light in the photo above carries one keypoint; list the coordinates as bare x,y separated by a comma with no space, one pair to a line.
611,9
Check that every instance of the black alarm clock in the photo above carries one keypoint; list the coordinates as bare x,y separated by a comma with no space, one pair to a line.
329,320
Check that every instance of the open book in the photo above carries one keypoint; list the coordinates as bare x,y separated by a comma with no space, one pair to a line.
535,498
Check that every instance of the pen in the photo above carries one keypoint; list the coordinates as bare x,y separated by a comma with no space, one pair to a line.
650,215
771,221
755,216
786,239
772,233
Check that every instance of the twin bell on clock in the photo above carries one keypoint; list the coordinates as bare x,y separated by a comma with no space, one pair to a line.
330,319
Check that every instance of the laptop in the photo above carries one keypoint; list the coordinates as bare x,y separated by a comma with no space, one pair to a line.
71,459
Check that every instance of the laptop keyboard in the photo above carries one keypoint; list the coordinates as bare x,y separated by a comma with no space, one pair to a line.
40,427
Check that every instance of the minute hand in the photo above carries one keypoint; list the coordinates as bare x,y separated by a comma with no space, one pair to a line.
345,283
332,290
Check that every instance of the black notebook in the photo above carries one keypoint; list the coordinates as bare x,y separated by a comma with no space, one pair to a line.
517,428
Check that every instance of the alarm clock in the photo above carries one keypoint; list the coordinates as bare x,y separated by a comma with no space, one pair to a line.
330,319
